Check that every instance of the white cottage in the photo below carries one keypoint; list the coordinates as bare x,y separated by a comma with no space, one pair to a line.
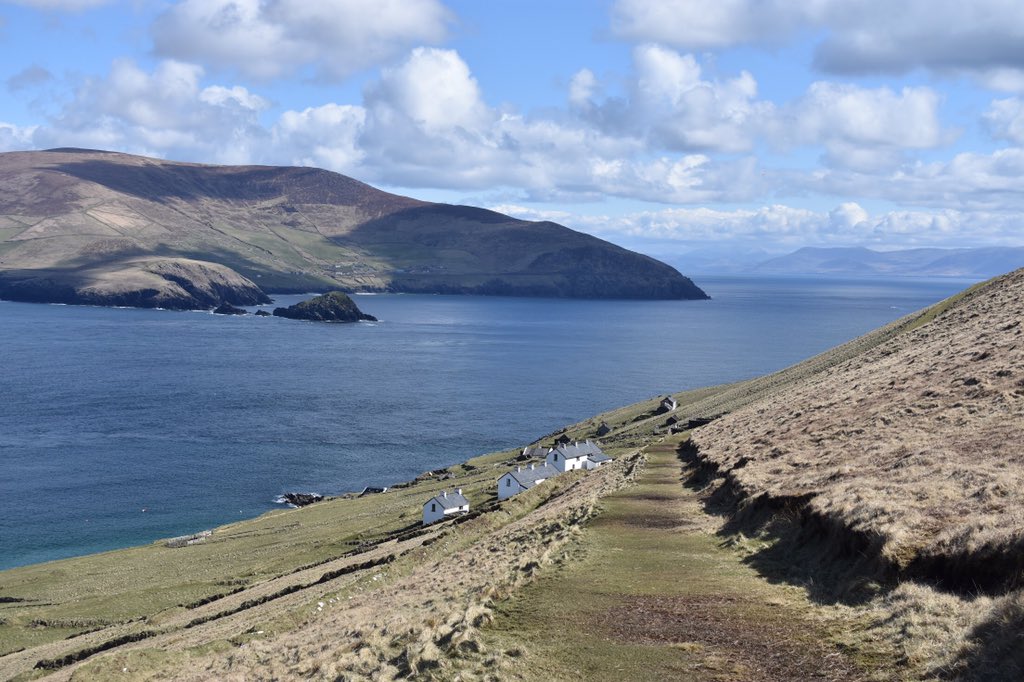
668,404
515,482
586,455
444,505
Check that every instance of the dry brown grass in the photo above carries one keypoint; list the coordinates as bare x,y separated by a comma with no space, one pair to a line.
917,442
909,458
418,616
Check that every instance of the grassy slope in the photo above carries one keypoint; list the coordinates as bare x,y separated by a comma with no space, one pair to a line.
75,595
903,630
651,592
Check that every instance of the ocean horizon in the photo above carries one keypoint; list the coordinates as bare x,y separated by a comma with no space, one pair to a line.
124,426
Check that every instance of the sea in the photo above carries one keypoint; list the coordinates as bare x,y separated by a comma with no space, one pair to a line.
123,426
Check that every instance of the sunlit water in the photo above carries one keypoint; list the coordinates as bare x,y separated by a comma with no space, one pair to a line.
121,426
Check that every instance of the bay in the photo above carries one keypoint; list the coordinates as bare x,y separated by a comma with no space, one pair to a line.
123,426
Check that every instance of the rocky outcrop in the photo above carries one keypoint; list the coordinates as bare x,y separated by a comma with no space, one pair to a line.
172,283
228,309
330,307
300,499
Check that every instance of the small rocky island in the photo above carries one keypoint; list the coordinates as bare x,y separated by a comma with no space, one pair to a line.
333,306
228,309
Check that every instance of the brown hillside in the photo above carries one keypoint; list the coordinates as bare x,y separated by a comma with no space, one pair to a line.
290,230
916,445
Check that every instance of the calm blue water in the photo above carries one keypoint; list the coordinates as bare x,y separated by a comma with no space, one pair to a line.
200,419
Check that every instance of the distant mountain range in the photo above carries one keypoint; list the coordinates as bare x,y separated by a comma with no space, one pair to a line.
980,263
86,226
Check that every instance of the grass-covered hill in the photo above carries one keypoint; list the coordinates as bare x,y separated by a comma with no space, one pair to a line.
853,517
70,217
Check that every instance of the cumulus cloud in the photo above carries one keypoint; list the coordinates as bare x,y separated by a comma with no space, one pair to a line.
969,181
671,106
275,38
326,137
1005,120
583,88
686,112
864,128
860,36
15,138
678,137
159,112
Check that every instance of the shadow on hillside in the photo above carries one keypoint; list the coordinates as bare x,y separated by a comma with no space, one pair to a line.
994,649
786,543
161,182
173,181
790,545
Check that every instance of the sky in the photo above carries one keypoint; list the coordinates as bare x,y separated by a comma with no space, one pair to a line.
699,131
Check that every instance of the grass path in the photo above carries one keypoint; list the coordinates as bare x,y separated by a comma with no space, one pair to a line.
652,594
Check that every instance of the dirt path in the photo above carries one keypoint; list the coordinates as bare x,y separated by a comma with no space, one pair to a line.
652,594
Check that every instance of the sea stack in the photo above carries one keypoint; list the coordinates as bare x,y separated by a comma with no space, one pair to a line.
333,306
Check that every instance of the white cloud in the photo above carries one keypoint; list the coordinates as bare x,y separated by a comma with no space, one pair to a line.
778,227
425,123
530,213
277,38
1003,78
871,117
686,112
165,111
236,96
859,36
1005,120
862,128
703,24
325,137
671,106
434,90
14,138
969,181
583,88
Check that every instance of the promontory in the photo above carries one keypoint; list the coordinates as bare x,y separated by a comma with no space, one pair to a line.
86,226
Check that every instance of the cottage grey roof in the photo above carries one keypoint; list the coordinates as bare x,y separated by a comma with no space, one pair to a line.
578,450
529,477
451,501
598,457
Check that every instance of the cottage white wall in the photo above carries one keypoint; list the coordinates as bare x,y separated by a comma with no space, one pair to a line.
563,464
432,512
508,486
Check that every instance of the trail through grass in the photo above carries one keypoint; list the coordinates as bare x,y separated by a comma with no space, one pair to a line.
653,594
